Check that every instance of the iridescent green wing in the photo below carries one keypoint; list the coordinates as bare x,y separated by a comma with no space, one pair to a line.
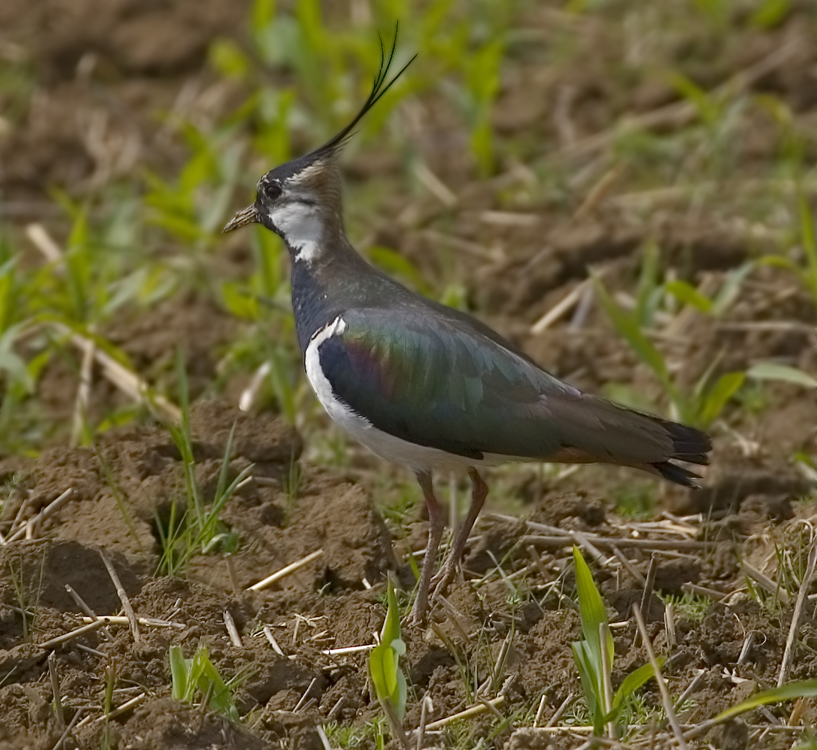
441,382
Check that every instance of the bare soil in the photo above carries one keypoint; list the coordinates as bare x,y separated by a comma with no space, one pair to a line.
122,61
326,604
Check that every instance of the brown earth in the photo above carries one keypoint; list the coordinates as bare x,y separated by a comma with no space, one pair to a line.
326,604
116,65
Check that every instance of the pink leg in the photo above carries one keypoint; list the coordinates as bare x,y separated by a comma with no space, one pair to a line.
479,491
435,532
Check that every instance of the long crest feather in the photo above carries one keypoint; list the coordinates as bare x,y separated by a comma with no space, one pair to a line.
379,88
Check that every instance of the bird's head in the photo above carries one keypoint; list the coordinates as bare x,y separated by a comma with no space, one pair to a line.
301,200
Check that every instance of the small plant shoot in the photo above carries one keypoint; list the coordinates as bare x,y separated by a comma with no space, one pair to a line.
594,655
387,680
199,676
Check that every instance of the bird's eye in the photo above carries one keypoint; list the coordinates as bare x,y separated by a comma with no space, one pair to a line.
272,191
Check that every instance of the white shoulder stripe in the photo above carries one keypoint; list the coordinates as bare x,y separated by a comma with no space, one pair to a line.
337,326
337,409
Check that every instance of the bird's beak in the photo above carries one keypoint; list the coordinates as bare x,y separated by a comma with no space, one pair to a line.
248,215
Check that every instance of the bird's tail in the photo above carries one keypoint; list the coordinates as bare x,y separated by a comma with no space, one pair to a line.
592,429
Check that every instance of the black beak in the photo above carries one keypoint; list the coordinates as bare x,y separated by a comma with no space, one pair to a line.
248,215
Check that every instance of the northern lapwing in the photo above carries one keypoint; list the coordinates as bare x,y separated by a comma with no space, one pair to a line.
424,385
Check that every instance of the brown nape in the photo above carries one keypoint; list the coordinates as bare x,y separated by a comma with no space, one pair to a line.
322,179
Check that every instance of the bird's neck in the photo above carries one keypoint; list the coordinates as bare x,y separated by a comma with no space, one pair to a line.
328,275
325,270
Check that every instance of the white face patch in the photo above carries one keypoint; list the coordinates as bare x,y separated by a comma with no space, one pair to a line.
302,228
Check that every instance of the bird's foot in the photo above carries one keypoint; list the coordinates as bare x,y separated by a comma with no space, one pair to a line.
419,615
441,581
416,618
419,611
438,586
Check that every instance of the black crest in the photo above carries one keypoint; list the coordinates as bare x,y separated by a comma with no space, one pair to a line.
379,87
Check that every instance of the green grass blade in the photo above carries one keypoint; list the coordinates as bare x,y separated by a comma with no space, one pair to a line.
200,674
632,682
706,107
713,402
801,689
179,670
809,241
730,289
391,627
648,291
689,295
780,261
591,609
591,679
221,700
774,371
11,363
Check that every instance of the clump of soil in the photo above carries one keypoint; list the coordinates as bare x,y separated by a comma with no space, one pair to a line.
107,75
483,634
167,723
119,492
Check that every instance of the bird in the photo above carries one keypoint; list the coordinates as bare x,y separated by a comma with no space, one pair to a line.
427,386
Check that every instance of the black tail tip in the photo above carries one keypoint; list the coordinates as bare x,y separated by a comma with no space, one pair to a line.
689,443
678,474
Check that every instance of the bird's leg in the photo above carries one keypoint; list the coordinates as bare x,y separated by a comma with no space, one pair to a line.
435,532
479,491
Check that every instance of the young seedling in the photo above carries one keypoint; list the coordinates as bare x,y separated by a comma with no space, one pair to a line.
200,530
22,587
199,675
387,681
107,740
705,402
594,656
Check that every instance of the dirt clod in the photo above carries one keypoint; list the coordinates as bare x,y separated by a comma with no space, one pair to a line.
165,723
